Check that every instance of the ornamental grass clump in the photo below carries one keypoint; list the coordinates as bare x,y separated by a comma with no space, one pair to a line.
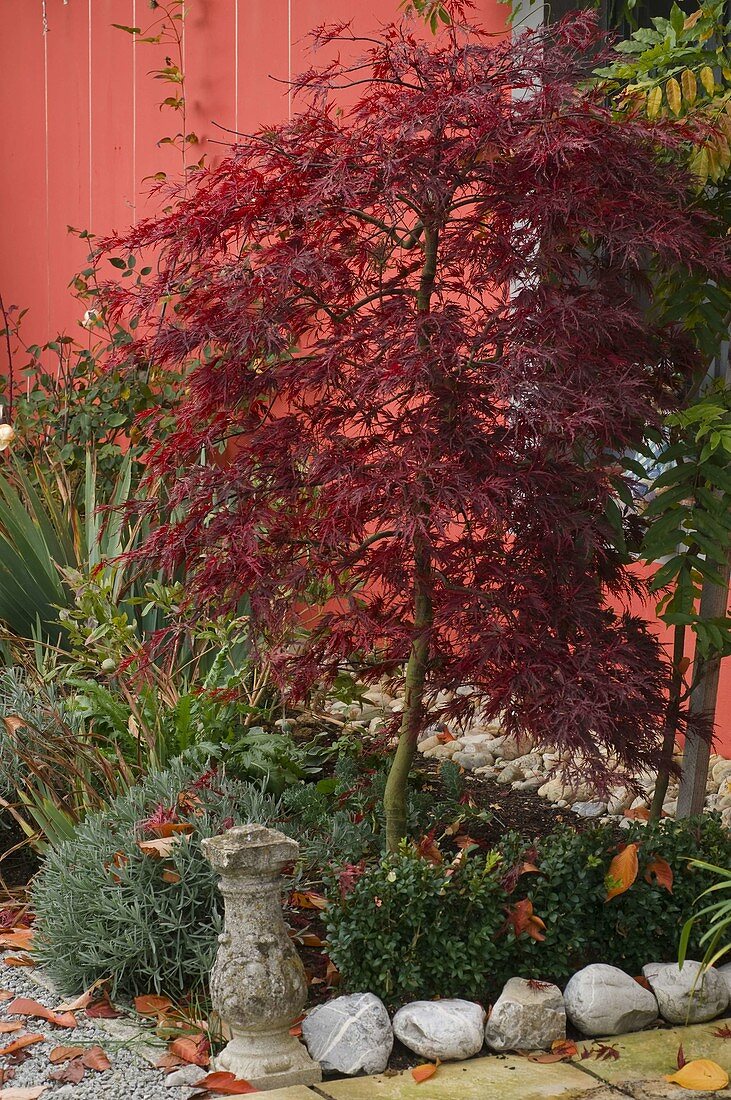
416,334
132,900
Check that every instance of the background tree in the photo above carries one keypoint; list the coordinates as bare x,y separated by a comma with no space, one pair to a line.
680,67
415,351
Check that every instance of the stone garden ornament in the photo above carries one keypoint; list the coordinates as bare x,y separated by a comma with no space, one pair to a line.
258,983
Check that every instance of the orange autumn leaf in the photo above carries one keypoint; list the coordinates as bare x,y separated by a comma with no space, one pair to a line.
195,1051
64,1054
24,1006
17,939
225,1083
95,1058
169,1061
19,960
6,995
423,1073
84,999
151,1005
170,828
660,872
20,1043
522,919
169,875
701,1075
640,813
622,872
445,736
307,899
10,1025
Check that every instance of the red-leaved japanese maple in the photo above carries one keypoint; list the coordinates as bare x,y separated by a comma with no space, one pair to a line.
420,324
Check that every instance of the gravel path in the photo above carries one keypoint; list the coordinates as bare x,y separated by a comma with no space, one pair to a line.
131,1076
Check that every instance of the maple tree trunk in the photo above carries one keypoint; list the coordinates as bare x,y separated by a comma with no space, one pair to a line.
394,796
671,725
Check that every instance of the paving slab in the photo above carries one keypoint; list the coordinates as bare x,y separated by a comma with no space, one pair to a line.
645,1056
292,1092
493,1078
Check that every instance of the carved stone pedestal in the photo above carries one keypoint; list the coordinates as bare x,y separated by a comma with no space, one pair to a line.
258,983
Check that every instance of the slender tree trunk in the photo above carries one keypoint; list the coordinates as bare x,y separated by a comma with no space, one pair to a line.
671,724
394,798
395,794
703,698
704,694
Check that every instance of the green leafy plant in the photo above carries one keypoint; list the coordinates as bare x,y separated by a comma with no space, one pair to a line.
714,918
106,908
433,930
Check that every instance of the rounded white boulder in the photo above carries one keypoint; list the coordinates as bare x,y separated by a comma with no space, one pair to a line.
526,1016
684,995
448,1030
603,1000
350,1034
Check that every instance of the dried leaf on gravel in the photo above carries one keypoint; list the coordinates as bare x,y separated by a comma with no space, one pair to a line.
24,1006
103,1009
169,1061
6,995
70,1074
18,939
23,1094
95,1058
64,1054
84,999
19,960
225,1084
197,1052
10,1025
152,1005
20,1043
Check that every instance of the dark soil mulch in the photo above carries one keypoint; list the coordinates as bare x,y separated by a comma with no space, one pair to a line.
510,810
18,866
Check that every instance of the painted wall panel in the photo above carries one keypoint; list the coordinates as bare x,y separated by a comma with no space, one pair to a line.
82,123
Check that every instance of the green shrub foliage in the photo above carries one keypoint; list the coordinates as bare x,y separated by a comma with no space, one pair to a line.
104,907
406,928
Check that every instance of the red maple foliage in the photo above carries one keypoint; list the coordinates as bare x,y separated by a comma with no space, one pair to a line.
416,335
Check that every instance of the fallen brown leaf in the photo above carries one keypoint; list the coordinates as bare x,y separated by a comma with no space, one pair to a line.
23,1094
103,1009
423,1073
84,999
17,939
70,1074
20,1043
95,1058
64,1054
226,1084
10,1025
19,960
149,1004
195,1051
24,1006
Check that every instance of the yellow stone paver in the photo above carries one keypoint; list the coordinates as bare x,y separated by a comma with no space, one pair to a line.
492,1078
646,1055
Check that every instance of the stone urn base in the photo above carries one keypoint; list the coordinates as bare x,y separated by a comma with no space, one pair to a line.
268,1060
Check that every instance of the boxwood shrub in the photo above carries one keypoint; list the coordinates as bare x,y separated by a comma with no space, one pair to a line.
405,928
104,908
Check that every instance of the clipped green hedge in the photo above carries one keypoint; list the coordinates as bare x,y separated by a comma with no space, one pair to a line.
407,929
104,909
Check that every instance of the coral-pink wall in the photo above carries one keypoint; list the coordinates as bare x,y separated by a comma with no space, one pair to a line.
81,124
